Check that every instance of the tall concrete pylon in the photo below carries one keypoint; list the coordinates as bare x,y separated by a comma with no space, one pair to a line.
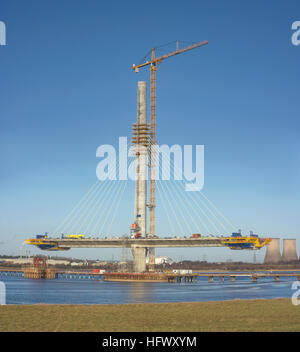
273,252
289,253
140,140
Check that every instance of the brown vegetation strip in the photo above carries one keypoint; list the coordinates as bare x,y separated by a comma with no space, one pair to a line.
237,315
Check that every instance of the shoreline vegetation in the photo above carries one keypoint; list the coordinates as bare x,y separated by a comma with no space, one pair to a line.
278,314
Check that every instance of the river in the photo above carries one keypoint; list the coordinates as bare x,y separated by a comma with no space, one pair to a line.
76,291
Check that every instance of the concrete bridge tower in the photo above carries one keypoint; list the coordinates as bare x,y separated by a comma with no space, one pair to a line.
140,141
289,253
273,252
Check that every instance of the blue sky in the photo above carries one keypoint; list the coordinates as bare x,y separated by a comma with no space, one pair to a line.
67,87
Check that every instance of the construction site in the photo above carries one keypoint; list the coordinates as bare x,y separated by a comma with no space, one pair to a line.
38,270
150,172
143,239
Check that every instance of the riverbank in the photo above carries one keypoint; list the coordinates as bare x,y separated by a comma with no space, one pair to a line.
235,315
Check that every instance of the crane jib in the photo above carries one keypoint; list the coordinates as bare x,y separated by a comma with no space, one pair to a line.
163,57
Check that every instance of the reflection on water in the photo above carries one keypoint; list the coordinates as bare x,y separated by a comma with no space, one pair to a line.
25,291
140,293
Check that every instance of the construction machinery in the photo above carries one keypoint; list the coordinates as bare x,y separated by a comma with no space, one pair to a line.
75,237
236,241
40,242
154,63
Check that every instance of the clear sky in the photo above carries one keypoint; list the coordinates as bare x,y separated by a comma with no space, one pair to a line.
67,87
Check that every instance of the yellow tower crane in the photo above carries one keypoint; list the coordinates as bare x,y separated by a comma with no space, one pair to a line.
153,63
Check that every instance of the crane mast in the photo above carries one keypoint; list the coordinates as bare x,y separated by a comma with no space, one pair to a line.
152,159
152,147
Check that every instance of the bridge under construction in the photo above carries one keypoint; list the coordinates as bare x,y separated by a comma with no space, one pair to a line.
140,246
142,240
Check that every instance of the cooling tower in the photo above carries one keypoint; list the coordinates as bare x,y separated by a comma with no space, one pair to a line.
289,253
273,252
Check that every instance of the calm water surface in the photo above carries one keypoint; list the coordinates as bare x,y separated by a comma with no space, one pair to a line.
60,291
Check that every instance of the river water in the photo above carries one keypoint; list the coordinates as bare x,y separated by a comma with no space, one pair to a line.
61,291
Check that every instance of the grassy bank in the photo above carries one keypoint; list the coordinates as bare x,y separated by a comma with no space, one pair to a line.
237,315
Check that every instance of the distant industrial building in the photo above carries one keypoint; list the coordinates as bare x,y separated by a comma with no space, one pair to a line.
161,260
77,263
289,253
273,254
23,261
